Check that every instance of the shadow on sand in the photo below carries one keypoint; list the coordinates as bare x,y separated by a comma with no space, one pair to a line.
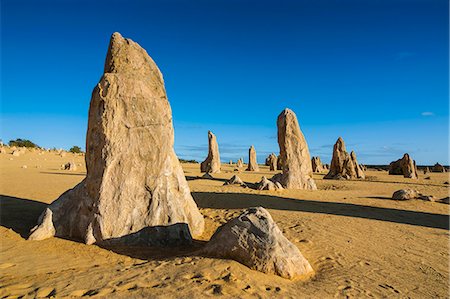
21,215
243,200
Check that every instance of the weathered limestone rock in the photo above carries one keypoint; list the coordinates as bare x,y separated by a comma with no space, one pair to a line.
16,153
70,166
235,180
252,163
134,178
266,184
407,194
212,162
272,162
359,171
254,239
343,165
279,163
240,164
404,166
426,170
294,153
317,165
438,168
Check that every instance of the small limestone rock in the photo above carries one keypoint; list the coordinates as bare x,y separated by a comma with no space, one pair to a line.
254,239
24,166
266,184
235,180
16,153
212,162
404,166
71,166
405,194
252,163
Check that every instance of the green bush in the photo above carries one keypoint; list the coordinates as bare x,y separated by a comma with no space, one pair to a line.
22,143
75,149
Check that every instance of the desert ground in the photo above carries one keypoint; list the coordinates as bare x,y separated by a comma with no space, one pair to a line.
359,241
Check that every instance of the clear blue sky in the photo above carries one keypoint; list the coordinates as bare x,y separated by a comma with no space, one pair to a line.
373,72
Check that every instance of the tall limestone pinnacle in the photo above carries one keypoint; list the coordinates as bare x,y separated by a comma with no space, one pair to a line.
294,154
212,162
134,179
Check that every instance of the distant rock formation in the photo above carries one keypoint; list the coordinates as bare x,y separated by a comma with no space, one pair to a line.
272,161
134,178
294,153
343,165
252,163
70,166
317,165
240,163
254,239
404,166
438,168
212,162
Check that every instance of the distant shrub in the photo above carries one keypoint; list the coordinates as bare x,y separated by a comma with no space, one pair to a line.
187,161
22,143
75,149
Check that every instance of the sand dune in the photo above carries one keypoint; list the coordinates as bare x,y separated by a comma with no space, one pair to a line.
360,243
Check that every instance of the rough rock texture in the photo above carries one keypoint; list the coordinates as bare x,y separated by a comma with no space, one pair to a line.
266,184
404,166
438,168
134,179
426,170
343,165
254,239
252,163
279,163
16,153
406,194
317,165
235,180
294,153
272,162
239,163
359,170
212,162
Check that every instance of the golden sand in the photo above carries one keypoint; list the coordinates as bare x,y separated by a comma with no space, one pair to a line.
360,243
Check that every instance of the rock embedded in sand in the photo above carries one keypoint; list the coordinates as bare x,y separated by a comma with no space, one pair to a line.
405,194
235,180
266,184
294,153
212,162
16,153
252,163
317,165
404,166
134,178
343,165
254,239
